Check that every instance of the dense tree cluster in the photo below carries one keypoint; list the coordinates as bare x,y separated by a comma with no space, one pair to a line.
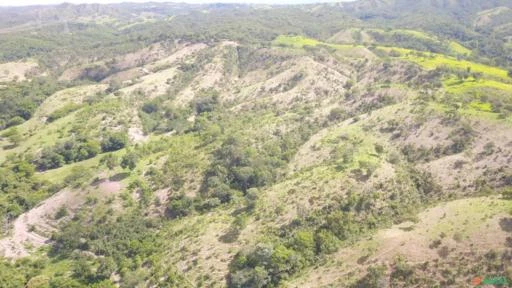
20,190
18,101
306,240
78,149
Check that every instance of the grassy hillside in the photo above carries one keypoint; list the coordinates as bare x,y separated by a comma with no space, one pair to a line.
173,145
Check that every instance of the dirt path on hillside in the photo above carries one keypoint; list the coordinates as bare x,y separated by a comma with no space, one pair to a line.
33,228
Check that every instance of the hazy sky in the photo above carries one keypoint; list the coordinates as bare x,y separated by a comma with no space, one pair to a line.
45,2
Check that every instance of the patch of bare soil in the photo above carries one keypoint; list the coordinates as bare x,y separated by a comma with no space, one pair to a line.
110,187
70,74
124,62
17,71
125,75
429,135
142,56
179,55
415,242
137,135
33,228
305,80
490,151
211,76
153,84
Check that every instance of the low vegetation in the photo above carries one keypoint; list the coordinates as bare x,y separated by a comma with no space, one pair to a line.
234,146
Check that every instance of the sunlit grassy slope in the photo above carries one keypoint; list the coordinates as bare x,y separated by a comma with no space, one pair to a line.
426,60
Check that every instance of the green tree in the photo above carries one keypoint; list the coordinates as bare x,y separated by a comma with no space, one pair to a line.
16,120
82,270
50,159
507,193
206,101
130,160
114,141
10,277
110,161
24,169
106,268
180,206
326,242
14,136
376,277
78,176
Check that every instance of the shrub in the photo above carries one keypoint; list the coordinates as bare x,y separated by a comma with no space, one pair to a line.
337,114
206,101
59,113
461,139
489,148
17,120
110,161
67,152
375,278
114,141
304,241
507,193
150,107
379,148
179,207
78,176
13,135
402,272
326,242
275,262
443,252
130,160
49,159
62,212
257,278
10,277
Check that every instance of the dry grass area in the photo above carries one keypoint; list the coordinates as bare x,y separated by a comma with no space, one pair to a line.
485,17
18,71
371,94
474,225
181,53
32,229
490,151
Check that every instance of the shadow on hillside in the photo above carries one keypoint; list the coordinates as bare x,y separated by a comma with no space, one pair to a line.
506,224
119,176
230,236
9,146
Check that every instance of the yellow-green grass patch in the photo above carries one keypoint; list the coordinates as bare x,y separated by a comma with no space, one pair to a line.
415,33
301,42
458,86
295,41
481,106
426,60
432,61
37,135
458,48
59,175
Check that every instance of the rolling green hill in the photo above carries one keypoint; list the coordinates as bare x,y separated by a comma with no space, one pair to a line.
226,145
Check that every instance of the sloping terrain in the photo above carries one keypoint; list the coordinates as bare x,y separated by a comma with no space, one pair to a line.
366,156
